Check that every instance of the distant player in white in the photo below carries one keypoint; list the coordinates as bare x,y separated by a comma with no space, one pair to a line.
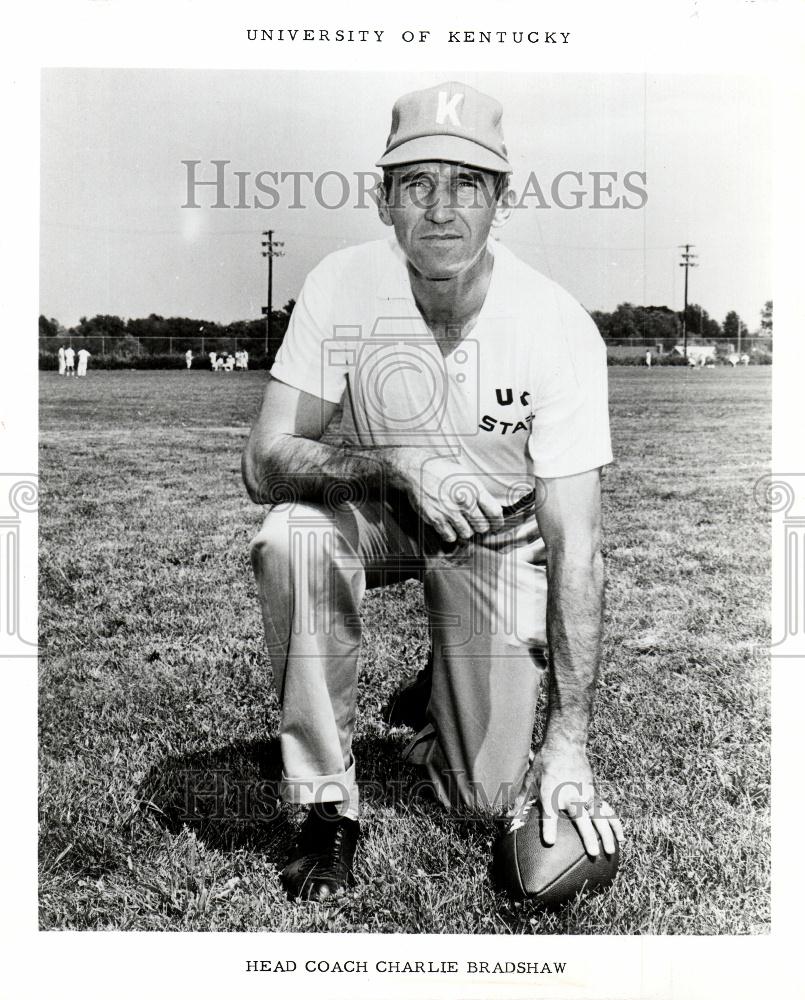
245,359
229,363
62,362
83,358
213,360
219,363
188,358
69,361
648,359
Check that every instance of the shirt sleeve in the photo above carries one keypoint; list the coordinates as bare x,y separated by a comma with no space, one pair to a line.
303,360
570,430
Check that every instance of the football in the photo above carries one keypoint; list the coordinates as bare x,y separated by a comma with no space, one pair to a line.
528,869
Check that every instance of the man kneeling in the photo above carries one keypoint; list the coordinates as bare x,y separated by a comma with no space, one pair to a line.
468,395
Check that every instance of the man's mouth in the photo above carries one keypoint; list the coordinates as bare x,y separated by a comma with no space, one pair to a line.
441,236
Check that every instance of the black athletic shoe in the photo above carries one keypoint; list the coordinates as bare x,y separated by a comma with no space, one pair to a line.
409,705
321,865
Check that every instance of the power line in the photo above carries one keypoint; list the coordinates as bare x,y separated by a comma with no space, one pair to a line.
270,251
687,263
319,238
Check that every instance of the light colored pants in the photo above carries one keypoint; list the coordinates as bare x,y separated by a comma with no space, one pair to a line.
486,602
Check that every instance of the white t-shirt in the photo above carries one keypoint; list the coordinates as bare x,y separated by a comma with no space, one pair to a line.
523,394
83,354
69,355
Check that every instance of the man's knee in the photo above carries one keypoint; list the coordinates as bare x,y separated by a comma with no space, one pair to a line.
290,533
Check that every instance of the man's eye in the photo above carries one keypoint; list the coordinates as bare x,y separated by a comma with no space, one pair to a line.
419,190
466,183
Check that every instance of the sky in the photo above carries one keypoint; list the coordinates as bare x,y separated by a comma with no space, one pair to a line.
115,237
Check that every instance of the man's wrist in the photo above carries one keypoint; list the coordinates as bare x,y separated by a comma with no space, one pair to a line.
564,739
396,462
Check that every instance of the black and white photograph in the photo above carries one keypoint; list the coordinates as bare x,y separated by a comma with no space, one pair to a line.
406,510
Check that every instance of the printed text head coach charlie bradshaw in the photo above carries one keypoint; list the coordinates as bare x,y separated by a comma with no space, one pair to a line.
470,394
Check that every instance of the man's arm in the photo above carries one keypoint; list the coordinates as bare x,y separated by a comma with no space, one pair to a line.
569,517
285,459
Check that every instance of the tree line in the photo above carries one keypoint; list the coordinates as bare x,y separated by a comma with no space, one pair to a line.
158,337
655,325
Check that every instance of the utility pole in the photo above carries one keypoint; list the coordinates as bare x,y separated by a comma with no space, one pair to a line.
270,251
686,262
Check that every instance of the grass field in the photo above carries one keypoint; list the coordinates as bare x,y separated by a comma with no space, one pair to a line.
157,716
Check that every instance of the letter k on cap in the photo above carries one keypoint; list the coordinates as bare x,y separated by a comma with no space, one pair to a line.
448,108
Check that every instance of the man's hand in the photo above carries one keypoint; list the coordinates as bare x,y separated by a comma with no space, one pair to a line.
461,513
563,780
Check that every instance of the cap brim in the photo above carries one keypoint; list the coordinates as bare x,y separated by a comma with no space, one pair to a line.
450,148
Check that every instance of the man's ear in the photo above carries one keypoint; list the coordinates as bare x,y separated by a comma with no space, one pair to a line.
503,209
382,204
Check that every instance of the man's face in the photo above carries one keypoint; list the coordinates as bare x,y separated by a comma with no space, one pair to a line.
441,214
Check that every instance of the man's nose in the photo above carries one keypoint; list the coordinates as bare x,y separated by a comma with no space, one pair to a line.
441,207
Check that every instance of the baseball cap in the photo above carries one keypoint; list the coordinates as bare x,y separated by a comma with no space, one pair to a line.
451,122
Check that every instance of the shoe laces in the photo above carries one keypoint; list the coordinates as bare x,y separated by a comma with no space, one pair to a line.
329,862
332,865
